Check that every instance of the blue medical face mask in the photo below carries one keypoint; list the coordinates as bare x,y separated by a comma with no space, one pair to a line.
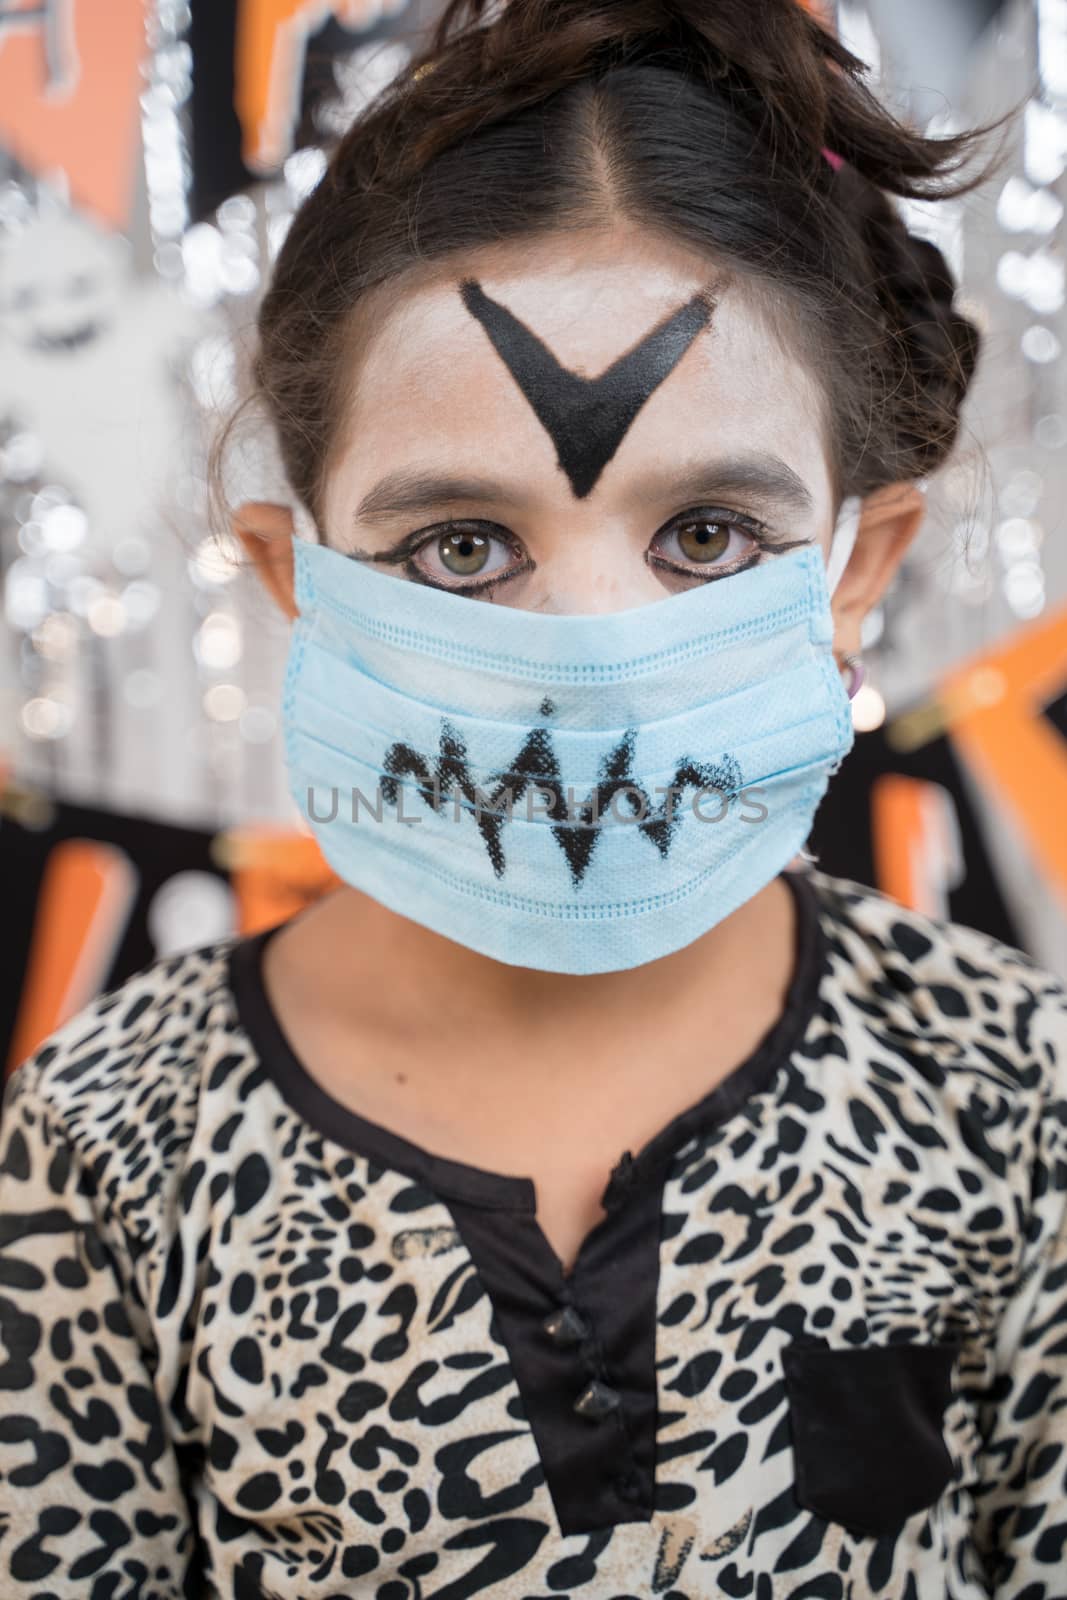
577,793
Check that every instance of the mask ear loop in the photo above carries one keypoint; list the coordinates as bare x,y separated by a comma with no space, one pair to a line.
304,523
843,539
842,545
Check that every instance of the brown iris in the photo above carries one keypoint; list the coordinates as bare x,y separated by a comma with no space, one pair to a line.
703,541
463,553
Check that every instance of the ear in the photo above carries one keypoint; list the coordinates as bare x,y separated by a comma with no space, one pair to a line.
266,532
889,520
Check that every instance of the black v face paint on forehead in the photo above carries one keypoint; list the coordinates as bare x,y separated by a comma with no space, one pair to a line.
587,417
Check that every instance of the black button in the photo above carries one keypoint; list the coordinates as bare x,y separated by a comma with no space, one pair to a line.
565,1326
597,1401
628,1487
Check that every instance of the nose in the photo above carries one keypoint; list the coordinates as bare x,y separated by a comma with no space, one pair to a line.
581,583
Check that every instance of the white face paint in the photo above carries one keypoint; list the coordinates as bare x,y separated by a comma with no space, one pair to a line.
723,464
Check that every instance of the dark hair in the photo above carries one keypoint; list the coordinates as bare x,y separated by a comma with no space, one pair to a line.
705,119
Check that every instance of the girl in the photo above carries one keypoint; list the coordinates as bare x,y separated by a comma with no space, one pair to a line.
590,1196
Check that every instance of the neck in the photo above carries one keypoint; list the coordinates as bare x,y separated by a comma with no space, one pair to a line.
430,981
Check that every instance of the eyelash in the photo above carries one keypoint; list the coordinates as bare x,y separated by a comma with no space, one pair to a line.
406,549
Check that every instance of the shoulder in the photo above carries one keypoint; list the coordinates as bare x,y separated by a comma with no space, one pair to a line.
120,1083
961,1019
941,976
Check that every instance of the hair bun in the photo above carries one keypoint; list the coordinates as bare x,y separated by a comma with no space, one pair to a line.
938,347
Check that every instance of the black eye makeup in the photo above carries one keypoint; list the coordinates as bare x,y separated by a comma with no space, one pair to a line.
460,549
710,543
472,557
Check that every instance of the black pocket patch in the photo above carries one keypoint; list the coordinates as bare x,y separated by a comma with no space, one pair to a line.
868,1446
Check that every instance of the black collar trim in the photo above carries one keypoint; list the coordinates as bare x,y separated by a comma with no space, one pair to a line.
458,1181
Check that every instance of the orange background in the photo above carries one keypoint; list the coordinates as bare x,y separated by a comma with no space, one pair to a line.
88,127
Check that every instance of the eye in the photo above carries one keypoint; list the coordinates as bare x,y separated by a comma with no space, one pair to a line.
465,552
708,540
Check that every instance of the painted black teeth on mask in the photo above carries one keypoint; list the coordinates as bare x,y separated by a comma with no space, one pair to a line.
537,767
586,418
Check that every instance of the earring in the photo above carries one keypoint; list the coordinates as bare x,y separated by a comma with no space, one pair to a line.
857,673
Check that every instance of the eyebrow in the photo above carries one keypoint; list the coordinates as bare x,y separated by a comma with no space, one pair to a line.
759,473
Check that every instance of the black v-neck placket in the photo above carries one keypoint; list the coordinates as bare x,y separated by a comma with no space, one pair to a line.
582,1346
599,1464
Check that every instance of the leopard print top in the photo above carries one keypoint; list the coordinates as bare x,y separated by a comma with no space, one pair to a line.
253,1345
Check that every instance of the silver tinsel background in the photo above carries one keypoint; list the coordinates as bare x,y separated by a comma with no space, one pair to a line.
141,669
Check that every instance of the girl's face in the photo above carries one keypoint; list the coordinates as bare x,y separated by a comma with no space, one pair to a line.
703,453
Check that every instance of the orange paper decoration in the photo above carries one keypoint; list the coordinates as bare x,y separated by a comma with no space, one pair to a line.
274,873
271,41
70,85
915,841
83,906
1014,750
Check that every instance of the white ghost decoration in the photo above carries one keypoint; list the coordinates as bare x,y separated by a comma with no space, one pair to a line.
89,355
